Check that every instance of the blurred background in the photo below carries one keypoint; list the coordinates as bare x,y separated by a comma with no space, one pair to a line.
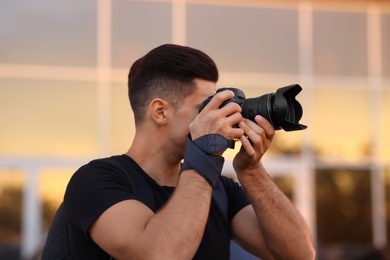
63,102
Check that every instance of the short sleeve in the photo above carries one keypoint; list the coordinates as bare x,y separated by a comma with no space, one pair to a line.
92,189
236,196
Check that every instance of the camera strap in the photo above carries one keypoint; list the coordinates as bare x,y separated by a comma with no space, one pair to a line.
213,143
207,165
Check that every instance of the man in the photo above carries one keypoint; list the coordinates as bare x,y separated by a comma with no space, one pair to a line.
151,204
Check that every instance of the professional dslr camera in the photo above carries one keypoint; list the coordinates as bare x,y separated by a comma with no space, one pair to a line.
281,109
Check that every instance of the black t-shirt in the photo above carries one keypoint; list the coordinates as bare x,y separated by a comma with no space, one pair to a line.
102,183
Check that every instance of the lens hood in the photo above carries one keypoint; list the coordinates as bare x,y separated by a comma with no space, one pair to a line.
281,108
286,109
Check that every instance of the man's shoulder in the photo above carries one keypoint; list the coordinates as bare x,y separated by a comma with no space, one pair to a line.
114,163
117,169
118,160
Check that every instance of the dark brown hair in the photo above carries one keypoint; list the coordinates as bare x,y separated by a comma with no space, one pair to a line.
167,72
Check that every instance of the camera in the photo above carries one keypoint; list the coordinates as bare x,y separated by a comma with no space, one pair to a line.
281,108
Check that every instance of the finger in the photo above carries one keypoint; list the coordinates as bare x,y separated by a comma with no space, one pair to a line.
266,125
232,108
246,144
228,128
219,98
234,119
253,131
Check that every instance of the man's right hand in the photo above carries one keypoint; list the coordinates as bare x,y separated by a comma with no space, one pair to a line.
215,120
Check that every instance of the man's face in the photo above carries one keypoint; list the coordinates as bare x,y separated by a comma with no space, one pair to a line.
189,110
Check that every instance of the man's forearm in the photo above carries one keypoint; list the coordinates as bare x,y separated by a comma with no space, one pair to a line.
180,225
130,230
284,229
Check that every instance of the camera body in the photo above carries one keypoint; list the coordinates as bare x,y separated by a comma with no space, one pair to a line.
281,108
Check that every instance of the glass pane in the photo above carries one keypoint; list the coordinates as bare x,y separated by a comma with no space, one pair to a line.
386,125
11,185
386,44
138,27
387,190
343,207
122,120
285,184
48,32
52,185
341,123
47,117
340,44
53,182
245,38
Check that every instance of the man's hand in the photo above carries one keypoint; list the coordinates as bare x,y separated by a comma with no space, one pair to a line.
256,141
215,120
271,227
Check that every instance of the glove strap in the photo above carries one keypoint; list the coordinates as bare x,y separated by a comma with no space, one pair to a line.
213,143
207,165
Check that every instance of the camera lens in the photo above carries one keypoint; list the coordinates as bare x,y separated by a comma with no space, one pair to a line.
281,109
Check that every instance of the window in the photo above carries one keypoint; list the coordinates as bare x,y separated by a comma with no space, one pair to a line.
340,47
245,39
138,27
343,201
44,32
341,123
11,197
44,117
385,44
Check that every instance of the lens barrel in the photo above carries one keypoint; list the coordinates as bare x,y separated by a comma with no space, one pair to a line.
281,108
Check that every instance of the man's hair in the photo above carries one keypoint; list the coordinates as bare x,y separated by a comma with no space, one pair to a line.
167,72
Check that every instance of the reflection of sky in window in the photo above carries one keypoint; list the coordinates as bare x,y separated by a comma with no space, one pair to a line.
47,118
340,44
386,44
138,27
48,32
385,127
341,123
246,38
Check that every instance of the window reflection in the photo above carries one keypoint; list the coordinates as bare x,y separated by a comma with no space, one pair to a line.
122,120
387,190
52,186
286,185
340,44
137,28
269,44
341,123
385,122
11,185
44,117
343,201
45,32
386,44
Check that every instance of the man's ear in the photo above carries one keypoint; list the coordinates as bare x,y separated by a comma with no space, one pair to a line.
158,110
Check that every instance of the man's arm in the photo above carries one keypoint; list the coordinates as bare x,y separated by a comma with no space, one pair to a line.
130,230
271,228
